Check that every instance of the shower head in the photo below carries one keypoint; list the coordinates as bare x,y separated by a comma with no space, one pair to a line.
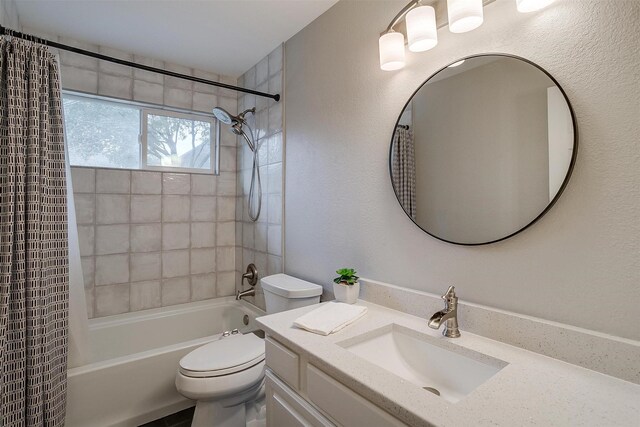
236,122
224,116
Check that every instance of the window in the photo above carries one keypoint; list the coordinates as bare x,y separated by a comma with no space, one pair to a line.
118,134
176,141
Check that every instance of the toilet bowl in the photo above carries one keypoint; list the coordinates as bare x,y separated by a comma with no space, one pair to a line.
226,377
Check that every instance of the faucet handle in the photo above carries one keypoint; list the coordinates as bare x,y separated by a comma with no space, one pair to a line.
450,294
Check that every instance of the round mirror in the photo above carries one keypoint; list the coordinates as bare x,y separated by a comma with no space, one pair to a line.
483,149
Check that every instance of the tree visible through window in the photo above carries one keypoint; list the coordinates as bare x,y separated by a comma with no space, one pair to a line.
103,133
178,142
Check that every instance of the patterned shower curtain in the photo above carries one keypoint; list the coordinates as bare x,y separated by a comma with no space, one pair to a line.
403,169
33,238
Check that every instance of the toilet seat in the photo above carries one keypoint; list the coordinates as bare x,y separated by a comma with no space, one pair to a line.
225,356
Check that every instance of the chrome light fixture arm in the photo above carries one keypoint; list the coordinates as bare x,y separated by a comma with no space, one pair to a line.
400,16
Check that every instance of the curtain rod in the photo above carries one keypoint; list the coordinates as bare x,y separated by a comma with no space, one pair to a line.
12,33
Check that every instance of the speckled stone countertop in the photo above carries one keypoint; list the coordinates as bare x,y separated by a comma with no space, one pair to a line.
531,390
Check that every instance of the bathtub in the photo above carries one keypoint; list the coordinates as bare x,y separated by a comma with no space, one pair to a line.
129,379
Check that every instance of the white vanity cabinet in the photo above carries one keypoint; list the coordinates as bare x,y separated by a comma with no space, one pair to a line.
300,394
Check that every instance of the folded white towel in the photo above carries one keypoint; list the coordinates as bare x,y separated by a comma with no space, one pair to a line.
330,317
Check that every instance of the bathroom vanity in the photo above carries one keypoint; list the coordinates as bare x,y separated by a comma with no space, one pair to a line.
389,368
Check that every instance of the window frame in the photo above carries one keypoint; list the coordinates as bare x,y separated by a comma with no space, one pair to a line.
145,109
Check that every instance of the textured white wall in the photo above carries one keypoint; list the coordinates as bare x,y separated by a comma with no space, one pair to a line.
579,265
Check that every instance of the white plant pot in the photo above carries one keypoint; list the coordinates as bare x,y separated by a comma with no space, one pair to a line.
346,293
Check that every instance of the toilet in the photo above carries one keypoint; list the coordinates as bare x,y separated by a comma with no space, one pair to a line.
226,377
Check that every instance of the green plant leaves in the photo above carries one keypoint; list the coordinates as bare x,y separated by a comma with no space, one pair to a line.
347,276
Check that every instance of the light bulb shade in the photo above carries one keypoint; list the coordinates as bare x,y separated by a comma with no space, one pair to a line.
422,31
464,15
391,47
526,6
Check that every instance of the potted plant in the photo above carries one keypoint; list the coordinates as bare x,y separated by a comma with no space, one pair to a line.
346,287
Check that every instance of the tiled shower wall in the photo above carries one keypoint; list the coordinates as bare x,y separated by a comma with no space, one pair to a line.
261,242
151,239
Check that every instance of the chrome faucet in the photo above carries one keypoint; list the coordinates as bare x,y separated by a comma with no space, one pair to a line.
247,293
252,278
449,315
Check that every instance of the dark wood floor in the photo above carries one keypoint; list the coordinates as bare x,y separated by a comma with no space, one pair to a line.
179,419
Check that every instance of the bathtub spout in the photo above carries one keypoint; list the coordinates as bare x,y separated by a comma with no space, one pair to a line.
248,293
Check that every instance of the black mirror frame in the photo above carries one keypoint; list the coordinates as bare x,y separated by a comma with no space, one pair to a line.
564,183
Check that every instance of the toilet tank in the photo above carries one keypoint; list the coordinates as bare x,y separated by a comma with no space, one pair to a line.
283,292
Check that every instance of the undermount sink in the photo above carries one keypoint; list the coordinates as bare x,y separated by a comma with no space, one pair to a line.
436,365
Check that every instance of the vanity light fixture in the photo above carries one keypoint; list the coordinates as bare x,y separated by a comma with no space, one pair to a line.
391,45
422,29
526,6
464,15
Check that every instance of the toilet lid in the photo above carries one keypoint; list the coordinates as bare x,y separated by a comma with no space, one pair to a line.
224,356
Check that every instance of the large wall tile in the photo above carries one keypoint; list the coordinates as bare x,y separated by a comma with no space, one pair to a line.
175,263
203,185
176,291
83,180
176,208
148,92
79,79
175,236
176,183
112,239
225,258
226,284
225,233
226,184
203,261
145,266
88,271
115,86
112,208
143,182
113,181
226,208
203,208
112,269
145,295
203,287
85,205
146,209
146,237
203,235
274,240
113,299
86,239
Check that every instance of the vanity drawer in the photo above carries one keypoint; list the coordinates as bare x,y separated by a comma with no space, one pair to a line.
285,408
283,362
343,405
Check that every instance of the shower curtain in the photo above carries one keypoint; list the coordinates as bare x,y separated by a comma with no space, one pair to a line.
403,169
34,275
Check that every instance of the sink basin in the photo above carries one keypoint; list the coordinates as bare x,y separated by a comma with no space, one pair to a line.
436,365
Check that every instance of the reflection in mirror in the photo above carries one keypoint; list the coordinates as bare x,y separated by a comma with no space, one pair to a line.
482,149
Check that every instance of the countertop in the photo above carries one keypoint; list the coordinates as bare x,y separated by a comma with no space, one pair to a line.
531,390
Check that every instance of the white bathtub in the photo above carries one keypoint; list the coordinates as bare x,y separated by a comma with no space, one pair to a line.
134,357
